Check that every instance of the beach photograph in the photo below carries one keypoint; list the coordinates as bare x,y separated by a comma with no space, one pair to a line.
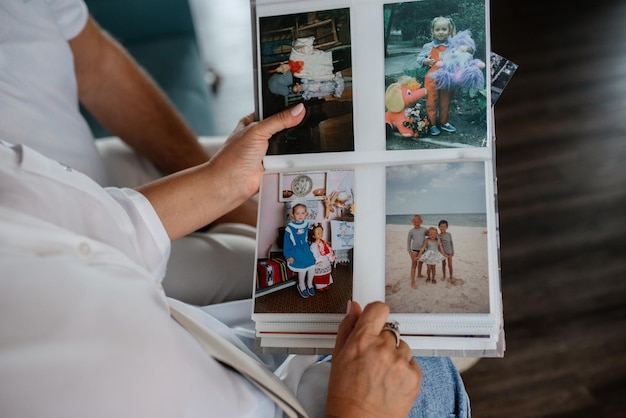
436,216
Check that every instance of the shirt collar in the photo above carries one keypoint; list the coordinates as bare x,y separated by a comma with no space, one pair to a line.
436,43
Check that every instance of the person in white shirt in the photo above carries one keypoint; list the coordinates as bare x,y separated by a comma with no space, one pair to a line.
85,328
53,55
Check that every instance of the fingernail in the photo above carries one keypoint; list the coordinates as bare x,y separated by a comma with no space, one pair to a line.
297,109
349,307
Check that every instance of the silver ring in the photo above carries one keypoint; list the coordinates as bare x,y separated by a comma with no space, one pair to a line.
393,326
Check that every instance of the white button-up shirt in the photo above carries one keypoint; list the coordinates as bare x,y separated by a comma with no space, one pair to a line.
85,329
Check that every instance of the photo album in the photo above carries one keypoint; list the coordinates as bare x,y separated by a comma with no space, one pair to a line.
387,189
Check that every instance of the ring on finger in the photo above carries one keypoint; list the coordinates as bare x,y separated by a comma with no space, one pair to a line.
394,327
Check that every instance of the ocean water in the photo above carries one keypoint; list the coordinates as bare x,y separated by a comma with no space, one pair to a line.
432,219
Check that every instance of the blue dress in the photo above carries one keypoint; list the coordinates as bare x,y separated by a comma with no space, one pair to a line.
296,246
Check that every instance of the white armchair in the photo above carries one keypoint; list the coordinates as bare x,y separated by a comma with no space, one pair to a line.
127,169
204,267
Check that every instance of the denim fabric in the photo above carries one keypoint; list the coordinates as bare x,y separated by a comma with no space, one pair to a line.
443,393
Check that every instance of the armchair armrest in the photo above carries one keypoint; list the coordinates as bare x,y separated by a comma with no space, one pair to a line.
125,168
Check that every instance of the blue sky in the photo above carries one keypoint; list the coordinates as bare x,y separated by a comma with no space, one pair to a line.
436,188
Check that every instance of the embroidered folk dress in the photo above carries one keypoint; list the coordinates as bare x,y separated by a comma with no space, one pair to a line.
324,259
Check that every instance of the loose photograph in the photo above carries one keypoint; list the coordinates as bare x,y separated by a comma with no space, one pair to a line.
305,242
436,253
435,74
306,57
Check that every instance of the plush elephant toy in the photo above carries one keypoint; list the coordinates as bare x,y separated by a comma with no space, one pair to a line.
400,97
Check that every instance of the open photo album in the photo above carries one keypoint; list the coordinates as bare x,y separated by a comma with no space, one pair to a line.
387,190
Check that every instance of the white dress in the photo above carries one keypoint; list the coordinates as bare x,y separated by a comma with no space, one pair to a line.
432,254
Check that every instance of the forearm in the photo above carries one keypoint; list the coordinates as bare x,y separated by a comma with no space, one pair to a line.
192,198
423,54
130,105
287,248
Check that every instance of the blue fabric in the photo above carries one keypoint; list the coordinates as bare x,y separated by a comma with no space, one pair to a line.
296,246
436,43
443,393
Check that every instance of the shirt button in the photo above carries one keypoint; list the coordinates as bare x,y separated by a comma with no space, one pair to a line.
84,248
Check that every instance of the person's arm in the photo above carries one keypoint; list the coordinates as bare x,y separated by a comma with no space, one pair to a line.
369,376
441,250
423,54
192,198
125,100
423,248
288,246
131,106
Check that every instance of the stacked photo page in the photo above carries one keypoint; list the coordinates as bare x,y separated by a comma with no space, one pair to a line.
387,189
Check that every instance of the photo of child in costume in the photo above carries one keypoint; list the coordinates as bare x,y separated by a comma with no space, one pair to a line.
305,242
324,258
448,66
298,251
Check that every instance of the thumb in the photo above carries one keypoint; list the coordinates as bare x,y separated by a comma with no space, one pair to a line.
347,325
287,118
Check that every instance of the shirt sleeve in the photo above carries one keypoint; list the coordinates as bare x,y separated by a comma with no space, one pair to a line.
71,16
423,54
154,243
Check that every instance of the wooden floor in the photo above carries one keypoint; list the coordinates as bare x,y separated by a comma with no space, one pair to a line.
561,162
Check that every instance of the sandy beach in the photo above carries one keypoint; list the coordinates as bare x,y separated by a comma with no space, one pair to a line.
468,292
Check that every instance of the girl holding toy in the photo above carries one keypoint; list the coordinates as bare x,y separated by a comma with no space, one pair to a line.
438,98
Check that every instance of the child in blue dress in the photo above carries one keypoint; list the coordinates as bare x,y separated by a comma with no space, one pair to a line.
297,250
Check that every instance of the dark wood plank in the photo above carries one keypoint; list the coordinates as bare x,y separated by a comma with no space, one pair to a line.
561,152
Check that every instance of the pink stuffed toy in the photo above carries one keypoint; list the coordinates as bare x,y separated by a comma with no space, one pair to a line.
457,66
400,98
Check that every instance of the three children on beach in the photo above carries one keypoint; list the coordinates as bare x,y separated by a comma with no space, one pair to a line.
430,247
